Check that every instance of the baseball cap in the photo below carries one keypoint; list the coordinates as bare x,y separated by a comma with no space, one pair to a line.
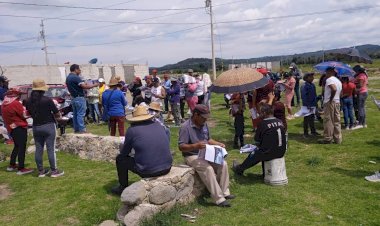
203,110
190,71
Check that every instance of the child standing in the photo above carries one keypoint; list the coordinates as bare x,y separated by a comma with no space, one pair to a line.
348,91
309,100
237,110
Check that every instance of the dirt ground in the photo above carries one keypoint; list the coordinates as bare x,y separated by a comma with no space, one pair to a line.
5,192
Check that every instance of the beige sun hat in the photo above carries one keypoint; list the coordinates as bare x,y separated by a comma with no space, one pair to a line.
114,82
155,106
39,85
140,114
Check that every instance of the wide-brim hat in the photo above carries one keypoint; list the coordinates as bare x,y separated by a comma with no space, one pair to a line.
114,82
39,85
155,106
140,114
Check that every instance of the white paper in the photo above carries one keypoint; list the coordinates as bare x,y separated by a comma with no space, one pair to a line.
304,111
248,148
215,154
188,79
254,113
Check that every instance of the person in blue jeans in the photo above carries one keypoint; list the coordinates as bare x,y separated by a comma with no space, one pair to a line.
348,91
76,85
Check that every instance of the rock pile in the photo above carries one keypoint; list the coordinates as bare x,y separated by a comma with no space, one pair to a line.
89,146
149,196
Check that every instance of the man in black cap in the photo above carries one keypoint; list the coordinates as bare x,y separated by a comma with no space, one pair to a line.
193,137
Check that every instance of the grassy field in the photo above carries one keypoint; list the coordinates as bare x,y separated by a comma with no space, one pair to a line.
326,184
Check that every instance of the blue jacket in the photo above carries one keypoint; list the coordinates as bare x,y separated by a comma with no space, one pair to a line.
116,103
309,95
174,93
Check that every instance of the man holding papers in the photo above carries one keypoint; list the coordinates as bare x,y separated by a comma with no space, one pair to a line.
193,137
270,139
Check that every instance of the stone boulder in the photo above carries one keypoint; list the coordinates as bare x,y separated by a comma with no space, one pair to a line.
149,196
109,223
90,146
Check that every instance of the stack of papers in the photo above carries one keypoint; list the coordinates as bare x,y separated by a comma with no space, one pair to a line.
304,111
213,153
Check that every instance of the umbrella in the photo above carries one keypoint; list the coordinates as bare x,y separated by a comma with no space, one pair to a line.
238,80
341,68
352,55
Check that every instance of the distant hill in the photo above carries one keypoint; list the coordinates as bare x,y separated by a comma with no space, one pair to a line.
205,64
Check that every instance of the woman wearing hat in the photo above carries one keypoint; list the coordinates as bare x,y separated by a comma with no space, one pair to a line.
44,112
114,106
14,117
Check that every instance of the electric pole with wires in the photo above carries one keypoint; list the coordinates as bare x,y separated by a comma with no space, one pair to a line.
43,37
209,7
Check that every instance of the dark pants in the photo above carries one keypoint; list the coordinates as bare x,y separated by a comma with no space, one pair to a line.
297,94
308,121
362,97
239,129
252,160
201,98
19,136
166,103
182,107
125,164
119,120
356,107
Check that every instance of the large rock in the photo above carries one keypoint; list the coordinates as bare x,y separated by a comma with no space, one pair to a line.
109,223
89,146
140,213
134,194
162,194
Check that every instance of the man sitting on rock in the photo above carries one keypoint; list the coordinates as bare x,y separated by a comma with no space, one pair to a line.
152,157
193,136
270,139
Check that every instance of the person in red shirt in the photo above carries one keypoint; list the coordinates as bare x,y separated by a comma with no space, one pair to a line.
257,96
348,91
15,119
361,81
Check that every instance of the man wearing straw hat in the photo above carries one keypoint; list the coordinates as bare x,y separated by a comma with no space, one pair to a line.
193,136
152,156
76,85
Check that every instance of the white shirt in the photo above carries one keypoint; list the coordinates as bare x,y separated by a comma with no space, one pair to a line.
332,81
157,91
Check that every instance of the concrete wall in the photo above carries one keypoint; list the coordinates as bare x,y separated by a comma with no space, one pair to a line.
274,65
24,74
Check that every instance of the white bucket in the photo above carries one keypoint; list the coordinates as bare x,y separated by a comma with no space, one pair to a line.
275,172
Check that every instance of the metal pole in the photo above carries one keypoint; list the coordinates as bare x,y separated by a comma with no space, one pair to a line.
44,39
209,4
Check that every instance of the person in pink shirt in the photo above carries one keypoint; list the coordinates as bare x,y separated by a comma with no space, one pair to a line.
361,82
289,84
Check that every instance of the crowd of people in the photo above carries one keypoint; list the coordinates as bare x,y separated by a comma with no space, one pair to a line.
152,98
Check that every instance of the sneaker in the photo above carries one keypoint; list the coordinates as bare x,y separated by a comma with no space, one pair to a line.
323,141
225,203
57,173
235,165
118,190
43,173
12,168
24,171
230,197
306,136
374,178
357,127
346,128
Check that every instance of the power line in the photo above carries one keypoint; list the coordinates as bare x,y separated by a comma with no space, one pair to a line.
111,25
96,8
101,21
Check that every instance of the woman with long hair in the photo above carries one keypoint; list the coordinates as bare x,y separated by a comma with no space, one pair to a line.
361,81
15,120
44,113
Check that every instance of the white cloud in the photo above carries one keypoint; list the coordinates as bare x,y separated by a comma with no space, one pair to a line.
246,39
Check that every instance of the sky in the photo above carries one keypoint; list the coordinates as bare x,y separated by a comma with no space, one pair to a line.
243,29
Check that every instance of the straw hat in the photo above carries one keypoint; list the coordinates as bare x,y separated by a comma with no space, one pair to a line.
155,106
140,114
39,85
114,82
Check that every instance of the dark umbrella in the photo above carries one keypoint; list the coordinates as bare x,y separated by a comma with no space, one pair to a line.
352,55
238,80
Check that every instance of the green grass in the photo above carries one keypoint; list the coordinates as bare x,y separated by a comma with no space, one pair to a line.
324,180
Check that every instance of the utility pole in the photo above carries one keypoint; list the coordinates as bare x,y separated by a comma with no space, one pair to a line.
43,37
209,5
